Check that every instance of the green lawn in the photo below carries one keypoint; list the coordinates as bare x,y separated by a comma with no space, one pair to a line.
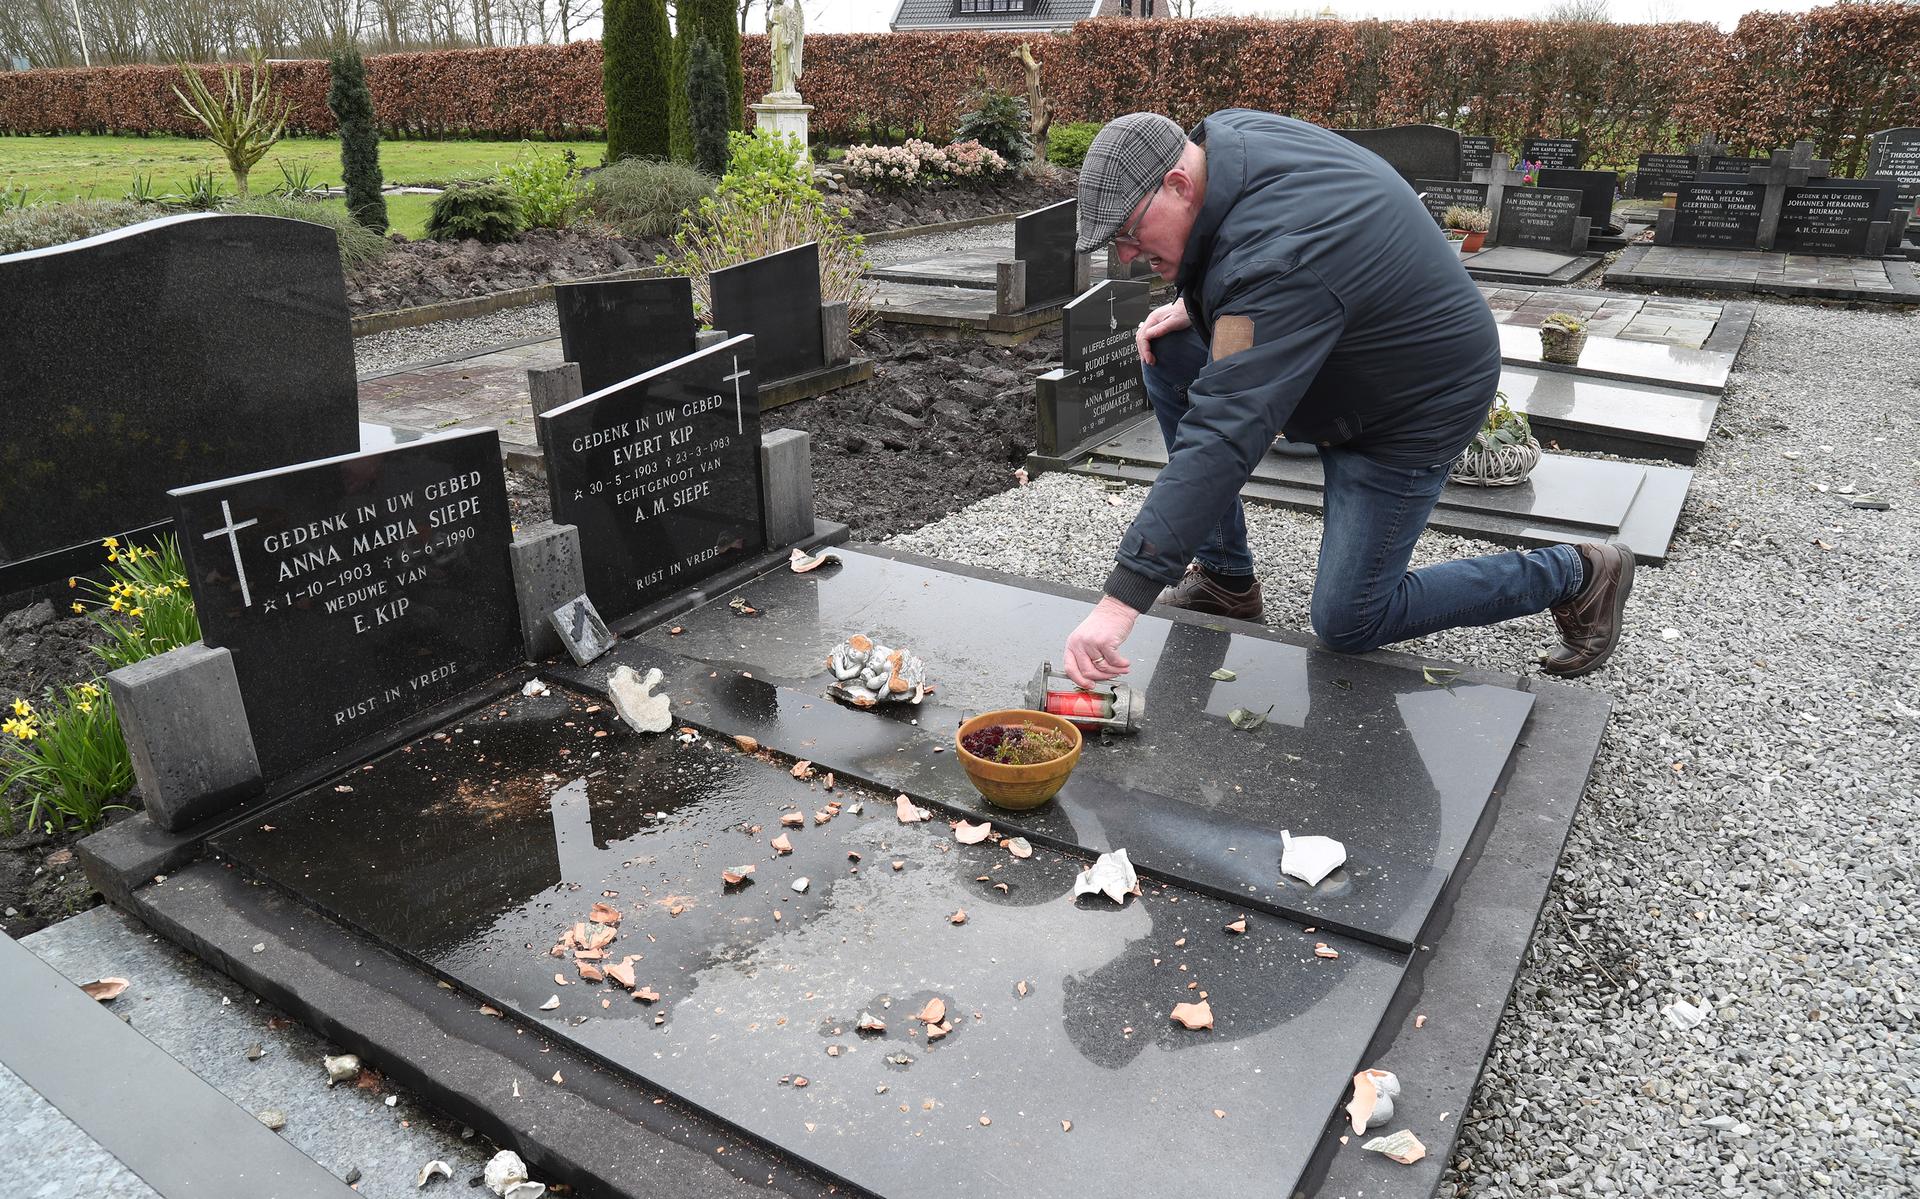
105,167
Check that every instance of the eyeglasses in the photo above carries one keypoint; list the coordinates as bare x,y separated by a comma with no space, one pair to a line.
1131,237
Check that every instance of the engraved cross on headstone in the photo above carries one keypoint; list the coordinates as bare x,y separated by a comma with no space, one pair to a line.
739,416
1787,168
1498,175
233,543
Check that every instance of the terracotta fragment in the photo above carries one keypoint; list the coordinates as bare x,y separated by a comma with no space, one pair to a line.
1193,1016
971,834
781,844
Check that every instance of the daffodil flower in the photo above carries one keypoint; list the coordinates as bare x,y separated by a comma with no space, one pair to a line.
110,543
22,708
78,606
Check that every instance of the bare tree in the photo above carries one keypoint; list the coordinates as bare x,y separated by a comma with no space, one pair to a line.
1582,12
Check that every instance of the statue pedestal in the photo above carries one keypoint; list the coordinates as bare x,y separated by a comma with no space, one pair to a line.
784,112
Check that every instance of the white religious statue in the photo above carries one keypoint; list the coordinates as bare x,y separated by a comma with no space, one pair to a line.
786,33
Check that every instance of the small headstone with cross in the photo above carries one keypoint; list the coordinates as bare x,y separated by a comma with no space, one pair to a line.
1787,168
1498,178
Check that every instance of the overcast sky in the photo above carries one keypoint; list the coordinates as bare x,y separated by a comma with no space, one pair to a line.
848,16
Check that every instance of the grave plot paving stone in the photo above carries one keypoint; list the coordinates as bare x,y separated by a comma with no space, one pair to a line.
472,859
661,475
1881,280
1520,264
384,574
1190,796
112,399
1565,499
1627,359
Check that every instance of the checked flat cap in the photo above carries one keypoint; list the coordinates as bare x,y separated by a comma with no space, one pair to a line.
1127,160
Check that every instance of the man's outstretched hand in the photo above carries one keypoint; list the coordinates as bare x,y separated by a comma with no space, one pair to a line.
1168,318
1093,649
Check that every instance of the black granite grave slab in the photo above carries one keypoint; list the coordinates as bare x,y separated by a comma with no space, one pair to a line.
1873,280
1718,214
1597,191
1659,174
775,299
355,591
616,329
1820,218
473,859
1576,412
1556,153
1044,240
1152,794
158,355
1529,267
1099,389
1476,153
1539,218
1414,151
1564,500
1441,194
661,473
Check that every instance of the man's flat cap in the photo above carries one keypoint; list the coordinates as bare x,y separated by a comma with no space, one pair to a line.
1127,160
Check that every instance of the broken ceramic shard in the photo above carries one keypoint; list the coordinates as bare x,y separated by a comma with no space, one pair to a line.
1193,1016
430,1171
1683,1014
909,812
1373,1094
1401,1146
505,1170
867,673
633,699
801,562
550,1004
534,688
525,1190
341,1068
871,1023
1310,859
967,833
1111,875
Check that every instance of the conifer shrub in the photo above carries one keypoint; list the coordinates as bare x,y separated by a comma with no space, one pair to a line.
707,107
352,105
485,212
637,78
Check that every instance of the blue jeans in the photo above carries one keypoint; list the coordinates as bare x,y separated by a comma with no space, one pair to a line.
1364,596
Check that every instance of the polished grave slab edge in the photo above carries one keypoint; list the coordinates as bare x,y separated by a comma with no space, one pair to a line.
427,1039
1630,270
135,1101
1119,795
1647,528
1306,1020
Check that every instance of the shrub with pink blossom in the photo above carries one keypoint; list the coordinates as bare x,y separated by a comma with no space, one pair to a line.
921,164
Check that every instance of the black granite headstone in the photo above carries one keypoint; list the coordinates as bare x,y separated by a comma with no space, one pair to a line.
661,473
1413,151
1718,214
1822,219
1659,174
1557,153
1044,240
354,591
776,299
618,328
161,354
1476,154
1722,164
1895,154
1541,218
1100,387
1597,191
1441,194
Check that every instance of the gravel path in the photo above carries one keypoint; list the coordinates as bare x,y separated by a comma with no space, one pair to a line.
1747,844
396,348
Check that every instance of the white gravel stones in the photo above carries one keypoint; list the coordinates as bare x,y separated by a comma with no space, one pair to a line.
1749,838
441,340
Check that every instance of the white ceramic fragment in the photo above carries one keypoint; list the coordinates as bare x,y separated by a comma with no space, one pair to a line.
432,1170
1110,875
1310,859
801,884
550,1004
525,1190
1401,1146
1373,1094
633,698
344,1068
504,1171
1683,1014
534,688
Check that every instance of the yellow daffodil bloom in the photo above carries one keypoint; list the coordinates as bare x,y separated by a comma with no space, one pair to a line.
72,581
83,709
110,542
78,606
22,708
136,611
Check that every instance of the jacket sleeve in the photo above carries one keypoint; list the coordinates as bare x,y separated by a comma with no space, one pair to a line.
1272,330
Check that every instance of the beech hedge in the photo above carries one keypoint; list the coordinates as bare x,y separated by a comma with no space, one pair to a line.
1833,75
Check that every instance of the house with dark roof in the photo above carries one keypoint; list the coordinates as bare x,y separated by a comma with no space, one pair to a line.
1019,16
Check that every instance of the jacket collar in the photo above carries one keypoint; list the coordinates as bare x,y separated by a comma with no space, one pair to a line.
1226,150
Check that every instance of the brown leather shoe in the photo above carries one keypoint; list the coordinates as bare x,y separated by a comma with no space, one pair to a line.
1198,593
1590,622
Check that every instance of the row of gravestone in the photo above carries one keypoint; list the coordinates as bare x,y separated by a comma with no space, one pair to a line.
205,345
1437,152
1790,203
1893,158
339,598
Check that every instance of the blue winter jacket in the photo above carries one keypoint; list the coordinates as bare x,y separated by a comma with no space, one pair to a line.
1361,329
